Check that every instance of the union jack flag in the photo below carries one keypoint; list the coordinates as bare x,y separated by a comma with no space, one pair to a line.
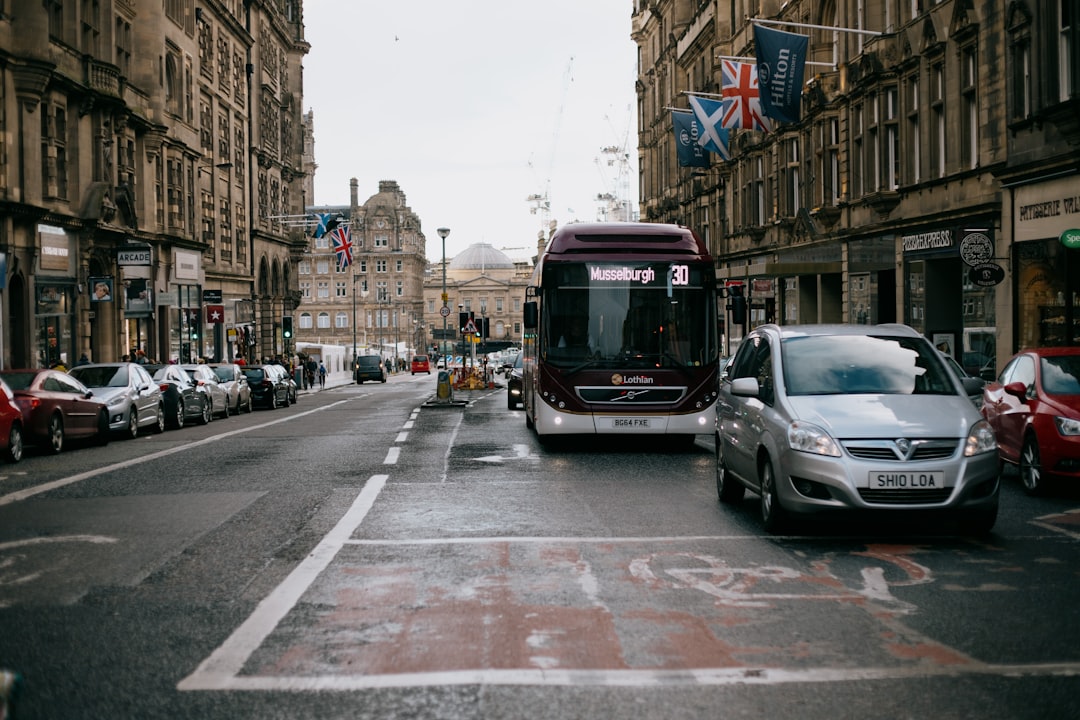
742,100
342,245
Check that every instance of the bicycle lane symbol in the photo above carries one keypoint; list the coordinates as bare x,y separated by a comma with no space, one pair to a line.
764,585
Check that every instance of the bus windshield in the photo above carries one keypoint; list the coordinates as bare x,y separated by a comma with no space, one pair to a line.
628,314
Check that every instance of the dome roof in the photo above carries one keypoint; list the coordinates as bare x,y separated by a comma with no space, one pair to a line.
481,256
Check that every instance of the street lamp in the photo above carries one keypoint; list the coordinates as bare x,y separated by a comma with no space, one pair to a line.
445,310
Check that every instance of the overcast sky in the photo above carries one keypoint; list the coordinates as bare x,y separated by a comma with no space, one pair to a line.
473,106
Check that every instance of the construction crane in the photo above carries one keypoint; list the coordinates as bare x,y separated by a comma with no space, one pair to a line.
614,204
541,202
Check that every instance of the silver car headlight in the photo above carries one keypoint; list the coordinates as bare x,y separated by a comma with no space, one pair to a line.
980,439
117,401
809,438
1067,426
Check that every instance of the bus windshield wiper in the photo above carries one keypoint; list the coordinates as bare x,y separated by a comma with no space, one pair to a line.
582,366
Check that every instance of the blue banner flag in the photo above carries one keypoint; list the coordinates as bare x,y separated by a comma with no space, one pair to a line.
710,115
781,58
691,154
321,219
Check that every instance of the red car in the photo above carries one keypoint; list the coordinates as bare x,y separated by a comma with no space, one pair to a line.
11,439
1034,408
420,363
56,406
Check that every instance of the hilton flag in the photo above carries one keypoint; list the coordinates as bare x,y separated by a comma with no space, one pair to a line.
781,58
691,154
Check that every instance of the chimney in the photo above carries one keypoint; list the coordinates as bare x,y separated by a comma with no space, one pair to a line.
354,192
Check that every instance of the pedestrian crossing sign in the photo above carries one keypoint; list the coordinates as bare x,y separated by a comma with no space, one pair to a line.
470,327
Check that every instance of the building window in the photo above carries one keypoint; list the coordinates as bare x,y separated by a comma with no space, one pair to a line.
937,115
873,144
791,177
339,289
91,27
363,266
341,320
305,289
891,160
1021,79
55,8
498,305
857,159
382,240
54,171
322,267
323,290
122,38
322,242
380,266
1066,81
969,100
305,321
430,305
399,288
304,267
324,321
914,140
399,264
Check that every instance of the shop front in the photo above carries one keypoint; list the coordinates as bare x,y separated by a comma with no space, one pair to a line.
54,290
1046,262
942,299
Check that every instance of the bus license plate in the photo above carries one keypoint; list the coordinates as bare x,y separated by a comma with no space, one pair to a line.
630,423
926,480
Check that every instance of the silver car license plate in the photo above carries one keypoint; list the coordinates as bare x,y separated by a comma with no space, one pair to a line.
905,480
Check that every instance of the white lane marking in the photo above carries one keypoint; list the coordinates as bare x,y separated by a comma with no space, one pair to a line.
63,482
93,539
402,437
634,678
392,456
219,671
408,425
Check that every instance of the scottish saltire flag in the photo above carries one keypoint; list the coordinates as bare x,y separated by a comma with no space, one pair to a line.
321,219
781,59
742,103
709,115
690,153
342,245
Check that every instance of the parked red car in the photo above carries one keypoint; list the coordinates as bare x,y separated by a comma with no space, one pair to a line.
11,424
420,363
1034,408
55,407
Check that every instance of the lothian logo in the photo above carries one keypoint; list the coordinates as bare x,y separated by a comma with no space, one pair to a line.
618,379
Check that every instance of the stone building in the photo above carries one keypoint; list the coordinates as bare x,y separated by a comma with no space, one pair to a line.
148,154
375,303
900,194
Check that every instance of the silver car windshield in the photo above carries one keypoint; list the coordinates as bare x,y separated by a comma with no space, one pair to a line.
860,364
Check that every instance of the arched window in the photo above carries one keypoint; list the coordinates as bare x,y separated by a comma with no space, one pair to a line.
324,320
341,320
305,321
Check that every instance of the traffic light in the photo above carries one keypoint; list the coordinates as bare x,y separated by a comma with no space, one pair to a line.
485,327
286,326
738,305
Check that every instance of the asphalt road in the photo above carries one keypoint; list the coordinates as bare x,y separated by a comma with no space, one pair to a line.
364,554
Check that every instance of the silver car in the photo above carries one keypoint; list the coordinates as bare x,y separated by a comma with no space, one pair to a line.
231,377
207,382
820,418
134,399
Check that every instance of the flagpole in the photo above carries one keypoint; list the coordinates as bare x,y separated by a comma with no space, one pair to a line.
754,60
815,27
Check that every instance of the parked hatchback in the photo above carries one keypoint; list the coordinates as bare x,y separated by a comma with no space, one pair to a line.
1034,408
268,386
820,418
232,379
134,399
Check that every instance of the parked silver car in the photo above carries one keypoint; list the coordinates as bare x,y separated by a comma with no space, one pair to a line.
207,382
819,418
134,399
231,377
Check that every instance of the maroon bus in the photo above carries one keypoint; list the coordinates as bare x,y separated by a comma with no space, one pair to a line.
621,333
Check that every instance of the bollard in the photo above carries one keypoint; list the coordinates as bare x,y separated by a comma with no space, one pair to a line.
444,391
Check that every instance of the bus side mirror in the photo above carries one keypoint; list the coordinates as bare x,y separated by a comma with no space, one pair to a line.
531,315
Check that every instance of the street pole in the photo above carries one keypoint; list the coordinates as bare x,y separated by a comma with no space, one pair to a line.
443,232
354,326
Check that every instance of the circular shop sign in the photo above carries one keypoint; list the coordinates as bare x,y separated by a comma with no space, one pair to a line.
1071,238
976,248
987,274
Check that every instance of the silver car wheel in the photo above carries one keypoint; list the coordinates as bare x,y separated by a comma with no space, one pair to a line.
772,512
133,423
159,424
728,489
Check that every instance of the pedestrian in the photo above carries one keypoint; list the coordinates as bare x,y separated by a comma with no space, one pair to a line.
83,360
322,375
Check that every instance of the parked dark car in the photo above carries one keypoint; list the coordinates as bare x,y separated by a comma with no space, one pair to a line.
514,396
55,407
134,399
1034,408
232,379
183,400
269,388
370,367
11,425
